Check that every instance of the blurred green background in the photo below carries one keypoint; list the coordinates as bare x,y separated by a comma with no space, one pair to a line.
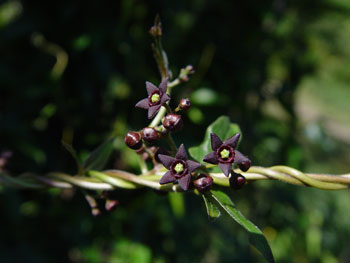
73,70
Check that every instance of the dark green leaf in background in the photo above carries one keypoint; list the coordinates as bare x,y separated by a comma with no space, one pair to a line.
99,157
71,150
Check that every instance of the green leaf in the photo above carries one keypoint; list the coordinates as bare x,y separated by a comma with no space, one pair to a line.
212,210
99,157
71,150
221,127
256,238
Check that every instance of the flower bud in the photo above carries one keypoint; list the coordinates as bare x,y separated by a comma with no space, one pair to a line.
184,104
172,122
245,165
111,204
133,140
184,72
95,211
149,134
237,181
203,183
156,29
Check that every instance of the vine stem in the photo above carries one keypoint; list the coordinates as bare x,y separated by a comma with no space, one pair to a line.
113,179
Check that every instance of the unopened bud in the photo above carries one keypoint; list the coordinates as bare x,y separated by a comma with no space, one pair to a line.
111,204
237,181
172,122
245,165
133,140
184,104
149,134
95,211
203,183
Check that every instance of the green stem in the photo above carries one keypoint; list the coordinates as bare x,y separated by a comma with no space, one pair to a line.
144,181
81,181
307,179
142,164
115,181
169,139
166,106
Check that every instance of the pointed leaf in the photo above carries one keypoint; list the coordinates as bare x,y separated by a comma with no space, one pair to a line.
223,128
256,238
71,150
212,210
99,157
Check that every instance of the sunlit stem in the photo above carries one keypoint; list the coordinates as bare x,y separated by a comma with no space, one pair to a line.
142,164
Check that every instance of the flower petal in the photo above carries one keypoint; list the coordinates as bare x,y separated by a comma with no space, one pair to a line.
239,157
192,165
243,162
167,178
226,168
215,141
184,182
166,160
150,88
164,85
211,158
181,153
153,110
233,140
164,98
143,104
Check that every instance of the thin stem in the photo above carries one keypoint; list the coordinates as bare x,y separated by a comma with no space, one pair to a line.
141,180
81,181
168,109
171,142
142,164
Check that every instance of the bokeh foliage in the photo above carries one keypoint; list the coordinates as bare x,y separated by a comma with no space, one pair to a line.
73,71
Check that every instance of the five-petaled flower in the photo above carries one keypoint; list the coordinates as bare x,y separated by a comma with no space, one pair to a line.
180,168
156,98
225,154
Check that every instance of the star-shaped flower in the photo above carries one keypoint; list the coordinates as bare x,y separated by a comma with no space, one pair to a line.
180,168
225,154
157,96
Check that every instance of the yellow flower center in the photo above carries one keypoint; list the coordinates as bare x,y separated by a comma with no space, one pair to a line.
155,98
225,153
179,168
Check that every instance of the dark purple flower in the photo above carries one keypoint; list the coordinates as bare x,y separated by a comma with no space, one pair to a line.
156,98
180,168
225,154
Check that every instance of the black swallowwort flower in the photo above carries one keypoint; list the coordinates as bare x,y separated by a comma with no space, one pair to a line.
180,168
157,96
225,154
